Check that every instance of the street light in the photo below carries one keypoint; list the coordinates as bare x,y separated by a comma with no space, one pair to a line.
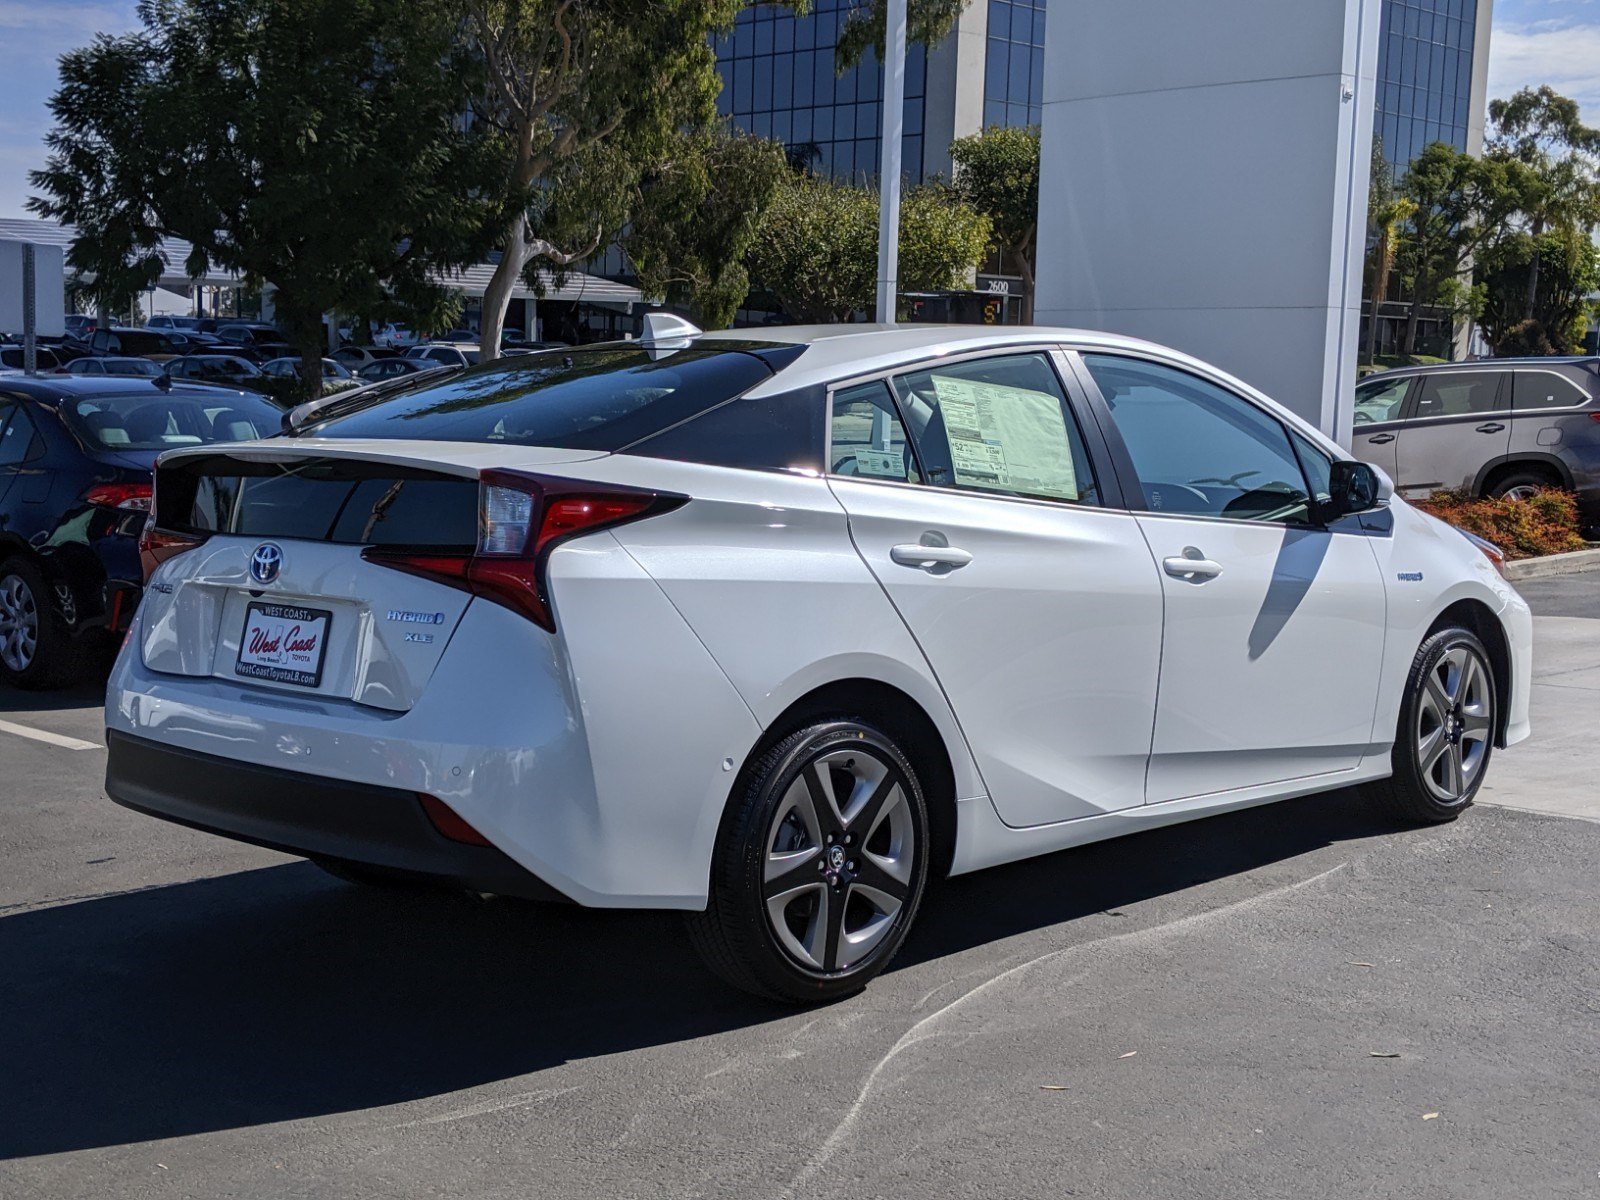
894,94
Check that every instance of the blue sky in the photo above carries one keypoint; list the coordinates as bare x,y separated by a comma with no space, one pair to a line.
1535,41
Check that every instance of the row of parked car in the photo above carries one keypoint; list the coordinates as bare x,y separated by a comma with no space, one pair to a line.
250,355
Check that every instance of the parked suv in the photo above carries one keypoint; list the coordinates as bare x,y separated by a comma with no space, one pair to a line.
1502,427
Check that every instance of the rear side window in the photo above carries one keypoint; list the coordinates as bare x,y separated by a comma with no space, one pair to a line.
606,398
15,434
1544,389
1461,394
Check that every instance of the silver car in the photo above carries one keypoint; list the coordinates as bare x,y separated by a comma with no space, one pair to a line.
1502,427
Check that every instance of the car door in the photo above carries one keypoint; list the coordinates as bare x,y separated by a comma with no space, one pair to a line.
1274,627
1456,422
1032,595
1380,405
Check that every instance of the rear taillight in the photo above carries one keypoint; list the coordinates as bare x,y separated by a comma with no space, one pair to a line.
130,497
157,545
521,518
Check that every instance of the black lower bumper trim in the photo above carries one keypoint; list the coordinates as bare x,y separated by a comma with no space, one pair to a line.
304,814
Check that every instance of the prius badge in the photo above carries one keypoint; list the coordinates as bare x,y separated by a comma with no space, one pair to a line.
266,562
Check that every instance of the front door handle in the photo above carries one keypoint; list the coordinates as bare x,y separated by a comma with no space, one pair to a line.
1193,566
1380,439
913,554
1491,427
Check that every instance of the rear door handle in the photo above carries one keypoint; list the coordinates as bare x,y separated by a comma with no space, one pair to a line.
912,554
1491,427
1192,565
1379,439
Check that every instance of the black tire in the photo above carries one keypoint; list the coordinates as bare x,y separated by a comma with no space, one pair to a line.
53,657
866,861
1522,480
1452,717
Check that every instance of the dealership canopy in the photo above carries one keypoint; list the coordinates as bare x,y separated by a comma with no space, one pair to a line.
576,286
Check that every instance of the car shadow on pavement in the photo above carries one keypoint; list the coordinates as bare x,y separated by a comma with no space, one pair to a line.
279,994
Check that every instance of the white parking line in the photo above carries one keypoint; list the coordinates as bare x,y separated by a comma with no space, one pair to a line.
54,739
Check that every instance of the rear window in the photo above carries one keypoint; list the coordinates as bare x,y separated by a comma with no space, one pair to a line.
331,500
44,360
605,398
157,420
141,343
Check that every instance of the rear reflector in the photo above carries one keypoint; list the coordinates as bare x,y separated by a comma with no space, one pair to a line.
450,823
521,519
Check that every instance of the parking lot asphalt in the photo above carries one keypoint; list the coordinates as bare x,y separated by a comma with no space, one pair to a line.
1301,1000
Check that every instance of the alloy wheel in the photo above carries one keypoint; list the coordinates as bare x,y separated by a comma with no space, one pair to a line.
1454,718
19,623
1523,491
840,858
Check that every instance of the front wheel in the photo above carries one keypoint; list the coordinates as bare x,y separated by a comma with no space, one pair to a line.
819,867
1446,732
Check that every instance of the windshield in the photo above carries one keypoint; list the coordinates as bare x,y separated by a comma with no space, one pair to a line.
600,398
157,420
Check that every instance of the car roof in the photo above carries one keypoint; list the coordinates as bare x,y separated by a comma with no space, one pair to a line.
55,388
1585,361
840,351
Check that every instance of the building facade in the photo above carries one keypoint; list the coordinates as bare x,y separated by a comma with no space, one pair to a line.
1433,72
778,81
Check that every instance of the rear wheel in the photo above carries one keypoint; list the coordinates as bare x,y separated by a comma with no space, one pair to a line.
1446,733
1522,485
819,868
36,648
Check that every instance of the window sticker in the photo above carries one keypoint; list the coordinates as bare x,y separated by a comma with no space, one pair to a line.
1009,438
881,464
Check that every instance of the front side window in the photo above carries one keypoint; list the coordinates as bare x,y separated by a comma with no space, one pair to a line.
1198,449
1380,400
868,437
1544,389
1459,394
998,425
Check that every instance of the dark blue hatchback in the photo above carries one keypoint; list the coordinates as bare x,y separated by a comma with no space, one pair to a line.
76,456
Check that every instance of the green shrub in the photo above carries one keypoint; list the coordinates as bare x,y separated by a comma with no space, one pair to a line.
1546,523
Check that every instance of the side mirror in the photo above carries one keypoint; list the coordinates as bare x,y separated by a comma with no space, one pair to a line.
1355,487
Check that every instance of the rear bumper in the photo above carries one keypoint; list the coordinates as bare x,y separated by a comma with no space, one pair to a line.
305,814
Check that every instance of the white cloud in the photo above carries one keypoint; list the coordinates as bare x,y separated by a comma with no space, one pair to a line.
1563,54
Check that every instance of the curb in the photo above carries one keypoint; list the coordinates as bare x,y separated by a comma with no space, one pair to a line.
1554,564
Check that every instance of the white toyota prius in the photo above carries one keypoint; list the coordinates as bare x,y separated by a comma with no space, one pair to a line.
774,626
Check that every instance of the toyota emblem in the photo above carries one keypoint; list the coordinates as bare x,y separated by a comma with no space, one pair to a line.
266,562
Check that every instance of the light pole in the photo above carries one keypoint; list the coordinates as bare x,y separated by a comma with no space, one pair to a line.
894,95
